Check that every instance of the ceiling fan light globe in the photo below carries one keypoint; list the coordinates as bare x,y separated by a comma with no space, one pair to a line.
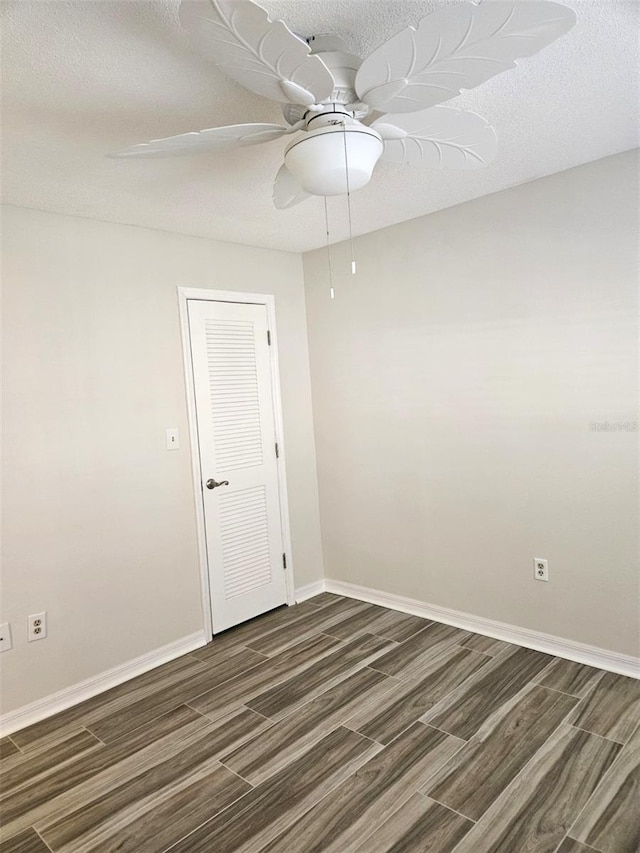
317,160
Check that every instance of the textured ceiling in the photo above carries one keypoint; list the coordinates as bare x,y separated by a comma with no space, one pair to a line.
80,79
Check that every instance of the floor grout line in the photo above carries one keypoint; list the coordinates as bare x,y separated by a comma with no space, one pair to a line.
443,731
9,738
245,647
201,714
567,836
235,773
366,737
548,666
475,651
555,690
451,809
99,739
264,716
595,734
48,846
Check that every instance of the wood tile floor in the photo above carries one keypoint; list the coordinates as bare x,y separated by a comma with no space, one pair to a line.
337,726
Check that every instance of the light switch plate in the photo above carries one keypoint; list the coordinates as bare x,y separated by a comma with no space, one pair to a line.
173,439
5,637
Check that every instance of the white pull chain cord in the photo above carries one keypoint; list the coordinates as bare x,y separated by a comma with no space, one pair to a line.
346,168
326,221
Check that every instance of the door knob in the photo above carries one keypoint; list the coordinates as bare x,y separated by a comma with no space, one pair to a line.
211,484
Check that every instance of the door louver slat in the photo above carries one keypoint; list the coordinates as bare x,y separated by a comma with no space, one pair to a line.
237,431
245,542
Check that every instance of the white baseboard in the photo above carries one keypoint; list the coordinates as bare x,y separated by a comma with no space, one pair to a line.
42,708
308,591
558,646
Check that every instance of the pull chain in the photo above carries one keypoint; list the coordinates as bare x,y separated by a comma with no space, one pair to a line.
326,220
346,168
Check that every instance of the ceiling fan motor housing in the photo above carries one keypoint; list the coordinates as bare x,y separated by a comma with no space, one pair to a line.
344,67
321,159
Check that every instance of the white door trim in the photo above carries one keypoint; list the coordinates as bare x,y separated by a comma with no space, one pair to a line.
184,294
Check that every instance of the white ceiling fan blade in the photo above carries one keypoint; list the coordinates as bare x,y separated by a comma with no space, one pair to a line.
213,139
287,192
441,137
457,48
262,55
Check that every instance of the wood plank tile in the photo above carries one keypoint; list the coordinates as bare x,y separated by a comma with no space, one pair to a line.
242,634
260,815
355,809
27,842
315,679
35,763
188,806
317,622
7,748
419,826
476,775
414,697
570,845
161,768
612,709
537,809
567,676
398,626
464,710
610,821
74,719
181,691
414,657
243,687
271,750
356,623
487,645
191,787
53,791
525,773
324,598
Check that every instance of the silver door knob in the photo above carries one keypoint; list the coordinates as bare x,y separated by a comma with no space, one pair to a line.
211,484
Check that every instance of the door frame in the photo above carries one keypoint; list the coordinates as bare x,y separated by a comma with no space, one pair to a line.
201,294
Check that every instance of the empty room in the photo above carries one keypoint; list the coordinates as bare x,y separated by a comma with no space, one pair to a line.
320,426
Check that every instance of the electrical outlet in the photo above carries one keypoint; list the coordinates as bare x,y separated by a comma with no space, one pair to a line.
5,637
540,569
36,626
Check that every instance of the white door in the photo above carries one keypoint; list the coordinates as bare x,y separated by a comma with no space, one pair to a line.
230,356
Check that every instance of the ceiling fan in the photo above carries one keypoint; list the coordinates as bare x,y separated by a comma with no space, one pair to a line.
334,103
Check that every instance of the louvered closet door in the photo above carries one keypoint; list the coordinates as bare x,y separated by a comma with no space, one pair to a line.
234,404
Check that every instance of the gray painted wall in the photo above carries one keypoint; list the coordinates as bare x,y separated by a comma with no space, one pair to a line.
455,381
98,519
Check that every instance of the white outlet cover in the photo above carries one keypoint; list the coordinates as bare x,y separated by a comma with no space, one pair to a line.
5,637
540,569
36,626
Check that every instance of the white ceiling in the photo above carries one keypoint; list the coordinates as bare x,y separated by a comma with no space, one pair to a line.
84,78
